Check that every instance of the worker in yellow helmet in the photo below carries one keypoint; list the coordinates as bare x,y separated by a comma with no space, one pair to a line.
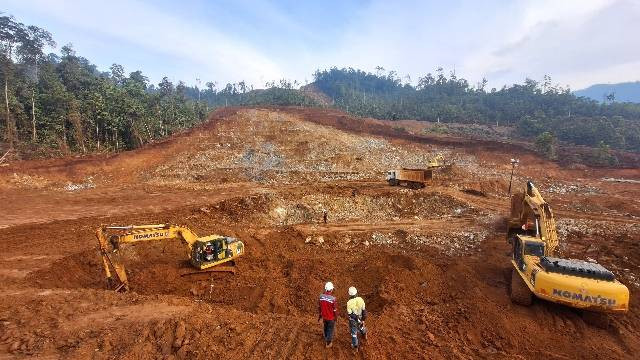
357,315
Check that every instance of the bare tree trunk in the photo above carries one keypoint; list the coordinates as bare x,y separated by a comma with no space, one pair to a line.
4,156
33,115
6,99
64,134
148,131
97,136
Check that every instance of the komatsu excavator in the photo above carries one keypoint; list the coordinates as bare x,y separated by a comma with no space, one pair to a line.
203,252
436,162
538,271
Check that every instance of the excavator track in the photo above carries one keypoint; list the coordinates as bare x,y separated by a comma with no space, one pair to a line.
230,269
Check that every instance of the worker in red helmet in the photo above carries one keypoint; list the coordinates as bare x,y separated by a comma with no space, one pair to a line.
327,311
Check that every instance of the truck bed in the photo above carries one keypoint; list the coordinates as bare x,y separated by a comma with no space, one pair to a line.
417,175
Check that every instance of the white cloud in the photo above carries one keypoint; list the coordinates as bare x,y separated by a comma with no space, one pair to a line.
577,42
571,40
215,52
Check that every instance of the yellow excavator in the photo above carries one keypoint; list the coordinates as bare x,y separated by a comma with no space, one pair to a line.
538,271
204,253
436,162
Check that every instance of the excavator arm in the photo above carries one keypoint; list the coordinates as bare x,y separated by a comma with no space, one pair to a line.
531,213
110,246
436,162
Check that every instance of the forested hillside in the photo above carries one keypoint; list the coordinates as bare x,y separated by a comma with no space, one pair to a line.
534,108
60,103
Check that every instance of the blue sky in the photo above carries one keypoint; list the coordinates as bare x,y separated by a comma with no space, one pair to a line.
577,42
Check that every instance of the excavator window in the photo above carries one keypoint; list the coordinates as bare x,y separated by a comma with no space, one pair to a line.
534,248
209,251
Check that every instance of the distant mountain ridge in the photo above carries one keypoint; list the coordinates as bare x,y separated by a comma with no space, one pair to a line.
624,92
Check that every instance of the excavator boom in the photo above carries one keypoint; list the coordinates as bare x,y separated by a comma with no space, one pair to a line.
531,213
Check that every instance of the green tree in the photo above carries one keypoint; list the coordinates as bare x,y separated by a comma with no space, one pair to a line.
546,144
117,74
31,52
12,35
604,156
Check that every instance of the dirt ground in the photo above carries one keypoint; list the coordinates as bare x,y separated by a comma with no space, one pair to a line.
432,264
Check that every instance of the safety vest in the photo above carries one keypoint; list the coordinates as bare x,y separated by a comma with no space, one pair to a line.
355,306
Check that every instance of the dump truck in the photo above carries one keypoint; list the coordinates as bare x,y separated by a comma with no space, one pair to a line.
411,178
538,271
415,178
205,254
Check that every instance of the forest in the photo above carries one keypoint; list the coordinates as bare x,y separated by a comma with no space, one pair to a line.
62,103
533,108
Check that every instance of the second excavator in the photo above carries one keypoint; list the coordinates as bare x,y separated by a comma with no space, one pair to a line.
204,253
537,270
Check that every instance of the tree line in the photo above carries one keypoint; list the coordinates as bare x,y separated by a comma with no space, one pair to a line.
532,108
64,103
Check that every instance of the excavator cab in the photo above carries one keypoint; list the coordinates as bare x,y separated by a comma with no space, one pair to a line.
213,250
526,246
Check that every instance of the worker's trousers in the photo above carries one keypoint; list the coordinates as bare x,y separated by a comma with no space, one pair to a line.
356,328
329,326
